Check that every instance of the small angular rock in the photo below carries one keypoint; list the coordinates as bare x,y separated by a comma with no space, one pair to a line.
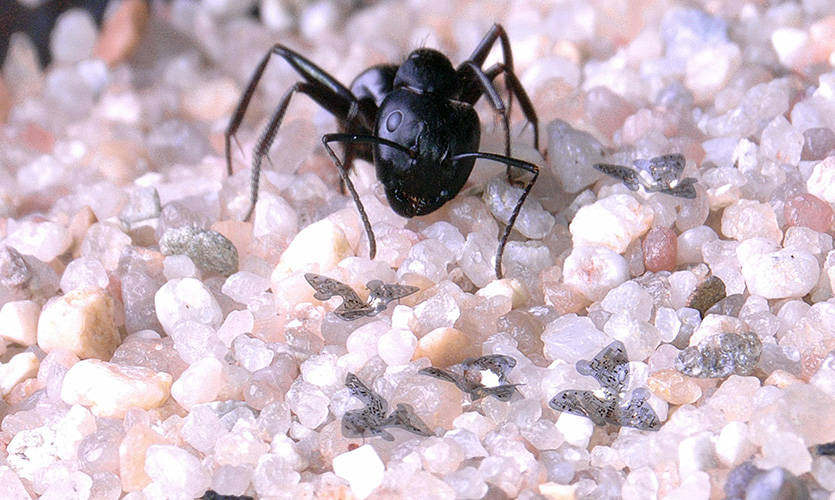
209,250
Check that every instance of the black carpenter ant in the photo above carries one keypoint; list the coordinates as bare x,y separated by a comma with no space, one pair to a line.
414,121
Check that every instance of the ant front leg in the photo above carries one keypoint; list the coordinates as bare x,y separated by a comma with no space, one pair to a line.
324,89
510,162
343,174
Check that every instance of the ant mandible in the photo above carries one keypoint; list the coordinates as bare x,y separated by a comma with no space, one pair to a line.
415,122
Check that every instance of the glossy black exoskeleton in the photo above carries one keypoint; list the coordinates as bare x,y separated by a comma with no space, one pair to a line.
414,121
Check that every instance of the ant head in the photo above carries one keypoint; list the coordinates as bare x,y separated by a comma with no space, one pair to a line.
429,72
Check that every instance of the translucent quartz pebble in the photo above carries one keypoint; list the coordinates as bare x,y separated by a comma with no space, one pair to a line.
199,383
209,250
760,104
467,483
822,181
710,69
721,355
104,242
273,214
44,240
430,258
478,256
789,272
690,244
785,450
750,219
707,293
629,298
143,204
570,153
446,346
308,402
781,142
606,109
186,299
810,211
817,143
572,338
533,222
138,291
84,271
594,270
613,222
176,473
733,445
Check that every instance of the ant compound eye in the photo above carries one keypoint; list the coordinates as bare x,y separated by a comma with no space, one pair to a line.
393,121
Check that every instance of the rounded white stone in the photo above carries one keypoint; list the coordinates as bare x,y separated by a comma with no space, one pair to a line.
21,367
199,383
176,472
110,390
613,222
320,246
822,181
186,299
786,450
397,346
782,274
733,446
576,429
594,270
750,219
20,322
362,468
510,288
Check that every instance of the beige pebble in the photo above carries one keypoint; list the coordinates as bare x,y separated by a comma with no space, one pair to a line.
511,288
555,491
77,424
110,390
210,100
781,379
79,224
132,456
673,387
446,346
119,161
83,321
19,320
122,32
199,383
318,247
21,367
